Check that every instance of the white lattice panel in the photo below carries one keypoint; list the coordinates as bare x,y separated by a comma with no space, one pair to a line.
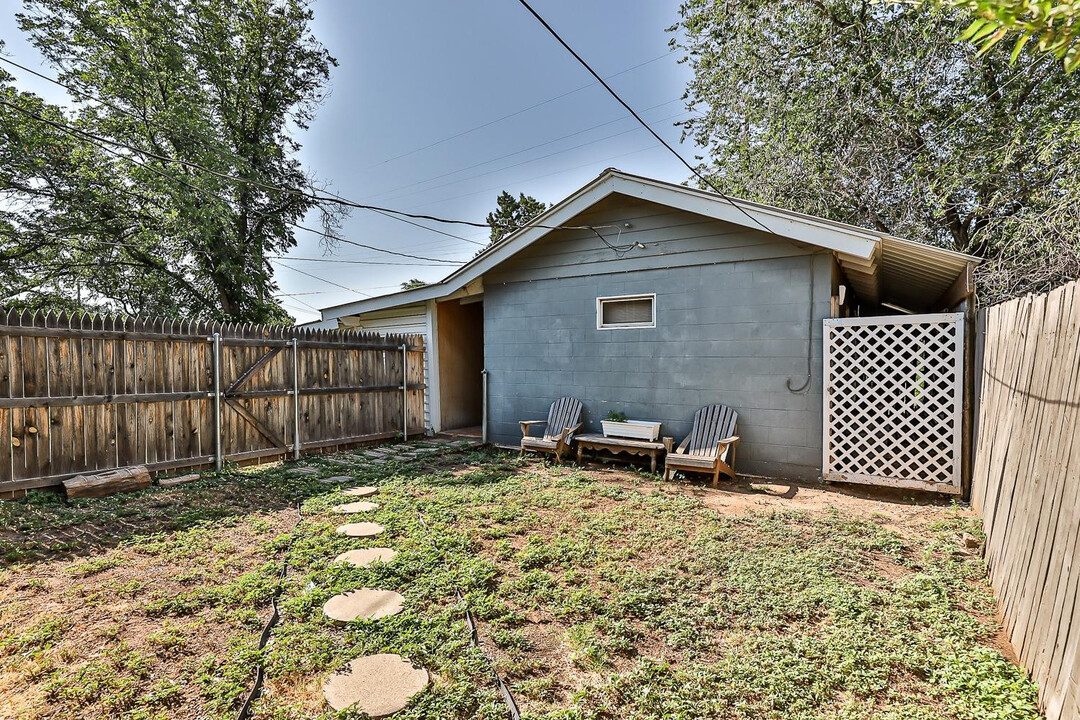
893,400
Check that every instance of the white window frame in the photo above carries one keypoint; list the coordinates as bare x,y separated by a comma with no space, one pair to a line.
651,297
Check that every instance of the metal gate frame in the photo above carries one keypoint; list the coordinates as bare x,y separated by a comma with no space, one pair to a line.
876,439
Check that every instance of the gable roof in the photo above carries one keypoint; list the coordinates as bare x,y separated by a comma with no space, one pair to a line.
869,259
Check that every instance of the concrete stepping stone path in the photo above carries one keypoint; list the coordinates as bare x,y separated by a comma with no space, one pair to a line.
355,507
366,556
364,491
362,530
379,685
336,479
363,604
302,471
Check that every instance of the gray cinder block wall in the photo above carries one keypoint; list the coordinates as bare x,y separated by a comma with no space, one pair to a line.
734,333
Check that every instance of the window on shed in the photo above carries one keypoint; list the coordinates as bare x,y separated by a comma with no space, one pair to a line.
628,311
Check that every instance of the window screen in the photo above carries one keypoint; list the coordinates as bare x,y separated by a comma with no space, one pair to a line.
636,311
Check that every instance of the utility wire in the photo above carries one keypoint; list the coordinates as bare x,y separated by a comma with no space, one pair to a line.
637,117
592,163
103,144
75,131
425,227
451,183
517,152
515,113
353,262
77,93
313,196
322,279
332,236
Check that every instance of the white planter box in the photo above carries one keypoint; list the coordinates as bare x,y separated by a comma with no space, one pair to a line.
635,429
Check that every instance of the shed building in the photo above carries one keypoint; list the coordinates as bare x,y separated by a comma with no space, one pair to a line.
653,299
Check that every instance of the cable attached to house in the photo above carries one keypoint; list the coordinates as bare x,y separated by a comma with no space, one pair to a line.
809,336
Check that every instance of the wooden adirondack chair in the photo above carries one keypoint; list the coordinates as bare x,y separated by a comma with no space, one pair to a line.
564,419
710,446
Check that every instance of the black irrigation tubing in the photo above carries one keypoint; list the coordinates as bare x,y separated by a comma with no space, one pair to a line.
264,638
504,689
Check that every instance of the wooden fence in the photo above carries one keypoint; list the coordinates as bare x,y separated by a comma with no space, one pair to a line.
1026,482
82,393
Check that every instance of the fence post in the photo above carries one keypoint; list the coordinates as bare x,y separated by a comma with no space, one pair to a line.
296,396
405,390
217,401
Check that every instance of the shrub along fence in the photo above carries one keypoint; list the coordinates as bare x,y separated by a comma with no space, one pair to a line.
81,394
1026,482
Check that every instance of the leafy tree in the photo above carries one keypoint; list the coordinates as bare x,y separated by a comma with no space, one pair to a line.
1054,26
511,213
413,284
199,91
870,113
45,176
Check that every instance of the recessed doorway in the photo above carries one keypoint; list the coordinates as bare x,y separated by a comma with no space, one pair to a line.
461,362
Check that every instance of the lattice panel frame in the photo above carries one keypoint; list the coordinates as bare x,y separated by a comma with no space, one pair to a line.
893,401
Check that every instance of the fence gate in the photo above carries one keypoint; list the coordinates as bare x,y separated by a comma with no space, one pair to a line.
893,401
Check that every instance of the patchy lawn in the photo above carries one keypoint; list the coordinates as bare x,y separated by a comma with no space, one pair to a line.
599,594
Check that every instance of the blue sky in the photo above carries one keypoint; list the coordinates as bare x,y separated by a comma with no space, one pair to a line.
436,107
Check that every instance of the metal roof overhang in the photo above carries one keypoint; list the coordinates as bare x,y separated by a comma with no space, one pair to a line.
905,274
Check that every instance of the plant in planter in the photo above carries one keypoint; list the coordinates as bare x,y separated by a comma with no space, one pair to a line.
616,425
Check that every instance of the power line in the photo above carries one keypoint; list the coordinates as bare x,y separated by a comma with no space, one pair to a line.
518,152
102,143
593,163
530,160
386,212
332,236
304,303
637,117
322,279
425,227
76,92
514,114
265,186
357,262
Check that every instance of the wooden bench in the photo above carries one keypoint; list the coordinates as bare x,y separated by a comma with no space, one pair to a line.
627,446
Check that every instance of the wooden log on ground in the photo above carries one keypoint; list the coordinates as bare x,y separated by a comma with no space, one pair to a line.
127,479
179,480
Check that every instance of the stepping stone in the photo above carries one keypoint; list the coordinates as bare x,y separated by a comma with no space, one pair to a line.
363,604
379,685
364,491
336,479
301,471
364,529
355,507
366,556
